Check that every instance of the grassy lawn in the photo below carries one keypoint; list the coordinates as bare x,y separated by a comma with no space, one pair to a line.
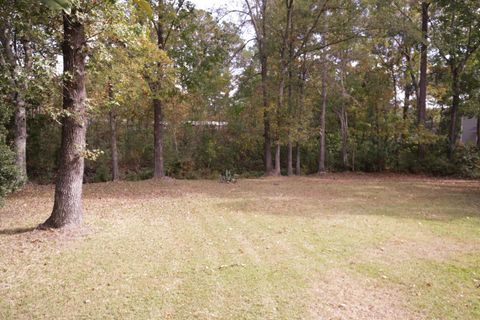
336,247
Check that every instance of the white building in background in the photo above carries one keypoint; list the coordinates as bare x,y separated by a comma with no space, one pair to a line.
469,130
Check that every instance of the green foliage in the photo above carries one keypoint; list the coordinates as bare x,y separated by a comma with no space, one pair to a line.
206,72
97,171
42,148
58,4
141,174
10,178
144,6
467,161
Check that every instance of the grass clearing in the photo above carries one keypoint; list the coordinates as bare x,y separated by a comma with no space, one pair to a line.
336,247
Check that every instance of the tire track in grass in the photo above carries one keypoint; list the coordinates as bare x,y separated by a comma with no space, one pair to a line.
258,238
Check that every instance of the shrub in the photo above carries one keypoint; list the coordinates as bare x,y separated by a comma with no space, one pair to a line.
140,174
10,178
467,161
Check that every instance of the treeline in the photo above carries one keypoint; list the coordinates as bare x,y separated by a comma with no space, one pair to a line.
144,89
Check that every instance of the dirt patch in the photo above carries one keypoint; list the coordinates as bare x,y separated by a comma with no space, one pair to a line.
341,296
438,249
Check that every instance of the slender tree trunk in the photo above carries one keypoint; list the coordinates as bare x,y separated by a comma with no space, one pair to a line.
158,171
422,105
289,158
113,144
353,159
406,101
298,169
67,208
409,86
158,139
281,88
261,32
175,141
20,136
20,112
454,110
413,77
277,170
478,131
280,107
344,134
395,90
12,59
321,162
267,143
277,160
290,94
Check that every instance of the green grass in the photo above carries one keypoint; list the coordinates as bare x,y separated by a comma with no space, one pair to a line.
338,247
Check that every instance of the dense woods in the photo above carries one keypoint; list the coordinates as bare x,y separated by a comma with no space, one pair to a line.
94,91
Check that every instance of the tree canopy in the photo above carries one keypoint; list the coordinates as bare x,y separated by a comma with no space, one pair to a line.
287,87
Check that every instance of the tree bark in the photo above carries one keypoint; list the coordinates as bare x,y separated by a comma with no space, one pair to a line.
321,161
281,88
413,77
267,143
422,105
454,110
478,131
394,83
289,158
262,46
113,144
344,134
406,101
20,135
158,171
158,139
277,170
298,169
67,208
290,93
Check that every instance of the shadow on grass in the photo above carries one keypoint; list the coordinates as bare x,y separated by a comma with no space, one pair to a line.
15,231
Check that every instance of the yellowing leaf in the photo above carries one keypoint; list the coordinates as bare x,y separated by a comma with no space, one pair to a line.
145,7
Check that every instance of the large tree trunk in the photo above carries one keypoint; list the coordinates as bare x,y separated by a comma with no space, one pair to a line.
67,208
454,110
321,161
422,103
113,144
158,139
289,158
